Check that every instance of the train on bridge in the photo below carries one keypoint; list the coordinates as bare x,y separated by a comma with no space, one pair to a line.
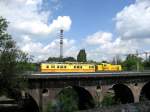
78,67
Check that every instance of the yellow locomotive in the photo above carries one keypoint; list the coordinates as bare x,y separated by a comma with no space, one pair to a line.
78,67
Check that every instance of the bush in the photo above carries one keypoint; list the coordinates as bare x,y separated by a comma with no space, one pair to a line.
67,101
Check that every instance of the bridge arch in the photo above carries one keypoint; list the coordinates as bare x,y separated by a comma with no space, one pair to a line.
145,92
84,98
29,104
123,93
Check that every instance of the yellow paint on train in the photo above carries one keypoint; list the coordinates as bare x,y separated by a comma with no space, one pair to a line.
108,67
78,67
71,67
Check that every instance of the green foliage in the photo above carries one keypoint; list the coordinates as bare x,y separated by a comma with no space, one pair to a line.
53,59
81,57
12,62
67,101
70,59
108,100
49,107
57,59
132,62
104,61
146,64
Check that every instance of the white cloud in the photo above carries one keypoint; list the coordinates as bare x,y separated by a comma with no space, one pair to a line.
107,47
99,38
133,33
133,20
42,52
39,28
24,16
30,25
27,22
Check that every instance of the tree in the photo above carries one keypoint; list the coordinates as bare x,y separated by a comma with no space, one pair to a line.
53,59
146,64
10,63
57,59
66,101
108,100
81,57
116,60
132,62
70,59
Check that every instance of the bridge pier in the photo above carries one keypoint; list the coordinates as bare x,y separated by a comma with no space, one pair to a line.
136,90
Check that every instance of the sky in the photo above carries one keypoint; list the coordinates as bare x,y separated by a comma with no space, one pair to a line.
104,28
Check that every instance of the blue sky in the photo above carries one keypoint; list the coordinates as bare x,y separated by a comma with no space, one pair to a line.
89,16
104,28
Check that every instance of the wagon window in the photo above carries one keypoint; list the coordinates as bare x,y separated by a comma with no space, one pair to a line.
52,66
80,66
61,66
57,66
77,66
74,66
64,66
47,66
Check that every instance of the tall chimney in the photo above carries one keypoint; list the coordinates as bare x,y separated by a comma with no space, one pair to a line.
61,44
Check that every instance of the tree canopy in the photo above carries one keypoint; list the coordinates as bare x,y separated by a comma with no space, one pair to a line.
81,57
57,59
132,62
12,61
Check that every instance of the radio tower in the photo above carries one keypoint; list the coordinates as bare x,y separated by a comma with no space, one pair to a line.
61,44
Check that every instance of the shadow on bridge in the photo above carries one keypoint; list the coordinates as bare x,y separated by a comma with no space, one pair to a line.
16,103
123,94
145,92
29,104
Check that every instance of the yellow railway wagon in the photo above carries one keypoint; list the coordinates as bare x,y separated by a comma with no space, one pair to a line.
67,67
116,68
108,67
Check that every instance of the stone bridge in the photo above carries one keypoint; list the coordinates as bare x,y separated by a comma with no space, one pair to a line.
128,87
